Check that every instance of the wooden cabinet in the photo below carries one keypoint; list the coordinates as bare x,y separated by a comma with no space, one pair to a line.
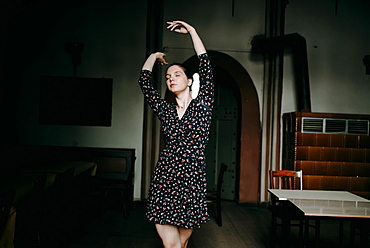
333,150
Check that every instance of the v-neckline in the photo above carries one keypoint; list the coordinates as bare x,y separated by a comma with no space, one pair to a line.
186,110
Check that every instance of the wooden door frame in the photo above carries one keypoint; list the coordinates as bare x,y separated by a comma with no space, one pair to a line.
248,184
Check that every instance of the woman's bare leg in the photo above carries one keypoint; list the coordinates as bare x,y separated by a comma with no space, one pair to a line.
185,234
169,235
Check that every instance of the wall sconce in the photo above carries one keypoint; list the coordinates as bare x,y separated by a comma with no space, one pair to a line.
75,50
366,61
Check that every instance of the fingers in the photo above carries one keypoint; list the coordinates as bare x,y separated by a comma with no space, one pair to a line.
172,25
162,61
177,26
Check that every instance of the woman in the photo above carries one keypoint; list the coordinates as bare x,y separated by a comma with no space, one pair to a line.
176,202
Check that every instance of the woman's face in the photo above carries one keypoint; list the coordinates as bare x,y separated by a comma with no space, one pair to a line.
177,80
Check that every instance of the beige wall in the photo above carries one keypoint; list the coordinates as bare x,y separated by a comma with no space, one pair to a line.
114,34
336,45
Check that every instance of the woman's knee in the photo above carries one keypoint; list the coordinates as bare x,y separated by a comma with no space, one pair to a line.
171,243
169,235
184,243
185,234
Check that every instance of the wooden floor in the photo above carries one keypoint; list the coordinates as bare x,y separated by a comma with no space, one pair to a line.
243,226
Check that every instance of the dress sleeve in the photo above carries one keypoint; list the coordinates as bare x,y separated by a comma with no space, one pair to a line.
206,88
151,95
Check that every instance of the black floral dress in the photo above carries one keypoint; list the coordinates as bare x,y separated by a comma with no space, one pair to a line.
178,186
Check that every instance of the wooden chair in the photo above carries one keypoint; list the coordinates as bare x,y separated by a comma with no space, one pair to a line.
6,202
285,179
115,177
214,196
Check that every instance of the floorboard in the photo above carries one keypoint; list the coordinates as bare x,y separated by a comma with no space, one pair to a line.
243,227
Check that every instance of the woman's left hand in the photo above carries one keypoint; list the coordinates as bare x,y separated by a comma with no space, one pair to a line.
179,27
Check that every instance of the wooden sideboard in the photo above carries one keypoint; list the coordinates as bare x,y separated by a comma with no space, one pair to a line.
333,150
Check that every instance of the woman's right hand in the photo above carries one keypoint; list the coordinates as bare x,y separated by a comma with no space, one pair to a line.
152,59
160,58
179,27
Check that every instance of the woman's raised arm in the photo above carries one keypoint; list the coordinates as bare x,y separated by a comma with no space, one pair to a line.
184,28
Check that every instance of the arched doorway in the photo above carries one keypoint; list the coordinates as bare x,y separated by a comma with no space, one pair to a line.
248,162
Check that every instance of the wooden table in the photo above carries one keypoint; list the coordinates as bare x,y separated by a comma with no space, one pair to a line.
342,205
285,194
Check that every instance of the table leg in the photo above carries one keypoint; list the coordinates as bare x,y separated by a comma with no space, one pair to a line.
273,230
341,224
364,232
301,233
317,233
285,232
306,230
352,234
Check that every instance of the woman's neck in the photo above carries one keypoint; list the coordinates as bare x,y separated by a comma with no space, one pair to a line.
183,100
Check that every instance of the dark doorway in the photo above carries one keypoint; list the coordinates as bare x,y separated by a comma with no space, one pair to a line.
223,146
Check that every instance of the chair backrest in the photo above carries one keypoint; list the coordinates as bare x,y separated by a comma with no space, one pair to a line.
114,168
111,164
286,179
221,178
131,172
